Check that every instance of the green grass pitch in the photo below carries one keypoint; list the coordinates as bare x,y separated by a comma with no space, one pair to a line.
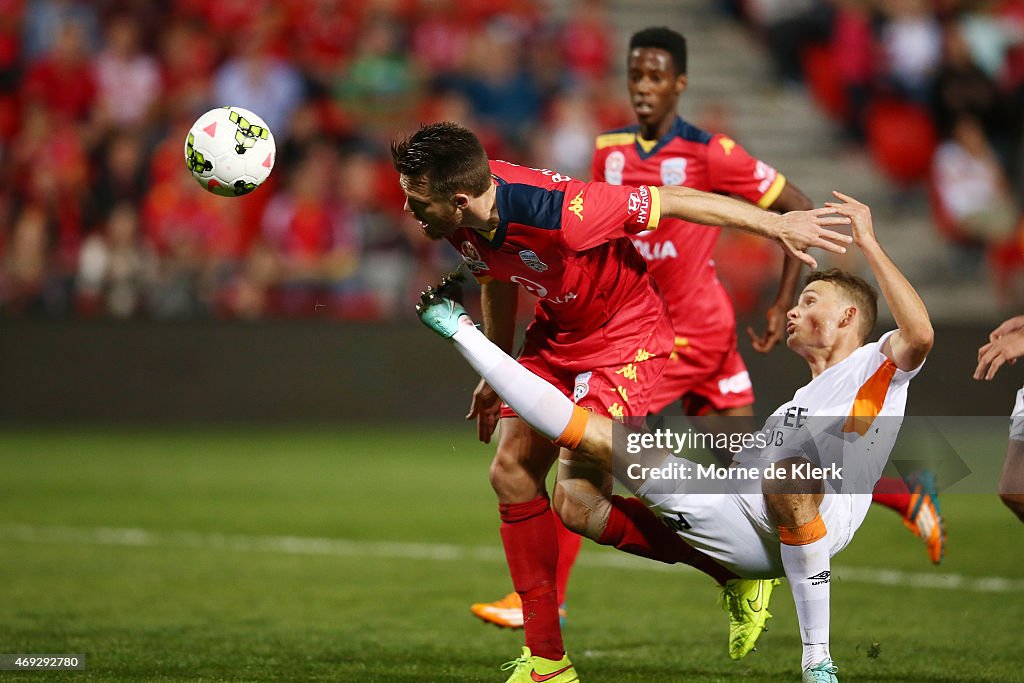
257,554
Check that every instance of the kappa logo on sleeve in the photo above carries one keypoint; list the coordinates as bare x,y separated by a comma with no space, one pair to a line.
576,205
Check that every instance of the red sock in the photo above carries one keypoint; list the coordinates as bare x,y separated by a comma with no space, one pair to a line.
568,548
892,492
531,549
635,529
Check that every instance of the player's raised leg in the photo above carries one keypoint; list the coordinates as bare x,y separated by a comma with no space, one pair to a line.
580,497
624,523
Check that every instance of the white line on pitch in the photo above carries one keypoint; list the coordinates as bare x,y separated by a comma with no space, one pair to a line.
444,552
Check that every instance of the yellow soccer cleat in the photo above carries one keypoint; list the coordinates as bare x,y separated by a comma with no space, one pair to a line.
531,669
746,601
506,612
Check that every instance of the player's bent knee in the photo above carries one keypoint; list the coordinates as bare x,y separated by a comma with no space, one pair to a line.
512,482
582,508
1014,501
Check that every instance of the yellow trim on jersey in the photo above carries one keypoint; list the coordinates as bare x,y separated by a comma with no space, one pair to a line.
489,234
769,197
652,223
646,145
614,140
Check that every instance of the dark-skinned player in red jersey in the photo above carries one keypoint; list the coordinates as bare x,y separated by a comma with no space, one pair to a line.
601,334
706,372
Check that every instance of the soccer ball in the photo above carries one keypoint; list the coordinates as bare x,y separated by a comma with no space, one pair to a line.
230,151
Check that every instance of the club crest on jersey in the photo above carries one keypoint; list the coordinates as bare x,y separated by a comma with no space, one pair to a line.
533,261
581,387
530,286
472,258
613,166
673,171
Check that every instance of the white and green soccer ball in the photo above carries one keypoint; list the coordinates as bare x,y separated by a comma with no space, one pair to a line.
230,151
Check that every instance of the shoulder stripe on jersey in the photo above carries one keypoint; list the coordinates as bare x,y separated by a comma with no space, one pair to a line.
614,139
529,205
769,197
870,397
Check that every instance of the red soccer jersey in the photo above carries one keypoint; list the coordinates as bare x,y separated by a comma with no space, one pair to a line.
679,254
566,242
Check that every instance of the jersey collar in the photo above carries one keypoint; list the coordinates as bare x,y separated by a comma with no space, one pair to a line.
677,128
495,238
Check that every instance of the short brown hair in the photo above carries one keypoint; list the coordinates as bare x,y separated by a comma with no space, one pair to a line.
448,156
858,290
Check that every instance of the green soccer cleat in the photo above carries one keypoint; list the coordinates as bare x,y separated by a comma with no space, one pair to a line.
822,672
746,601
438,313
532,669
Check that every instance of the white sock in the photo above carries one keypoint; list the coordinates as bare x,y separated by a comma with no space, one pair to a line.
536,401
808,570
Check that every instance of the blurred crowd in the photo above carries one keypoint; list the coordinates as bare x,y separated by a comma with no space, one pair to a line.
99,218
933,89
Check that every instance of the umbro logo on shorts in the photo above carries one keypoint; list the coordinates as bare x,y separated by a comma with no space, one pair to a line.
819,579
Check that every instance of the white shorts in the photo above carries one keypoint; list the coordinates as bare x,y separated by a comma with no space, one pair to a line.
733,527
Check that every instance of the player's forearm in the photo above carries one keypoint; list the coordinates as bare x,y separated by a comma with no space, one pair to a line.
906,305
788,282
713,209
498,303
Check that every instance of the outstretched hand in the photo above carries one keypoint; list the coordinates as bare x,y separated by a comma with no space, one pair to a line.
1004,347
798,231
859,215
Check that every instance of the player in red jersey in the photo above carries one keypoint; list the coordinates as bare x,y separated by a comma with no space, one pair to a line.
601,333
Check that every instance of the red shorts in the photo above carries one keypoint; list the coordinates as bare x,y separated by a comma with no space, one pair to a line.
704,373
621,390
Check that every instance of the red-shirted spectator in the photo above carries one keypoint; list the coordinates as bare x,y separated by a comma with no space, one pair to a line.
63,80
